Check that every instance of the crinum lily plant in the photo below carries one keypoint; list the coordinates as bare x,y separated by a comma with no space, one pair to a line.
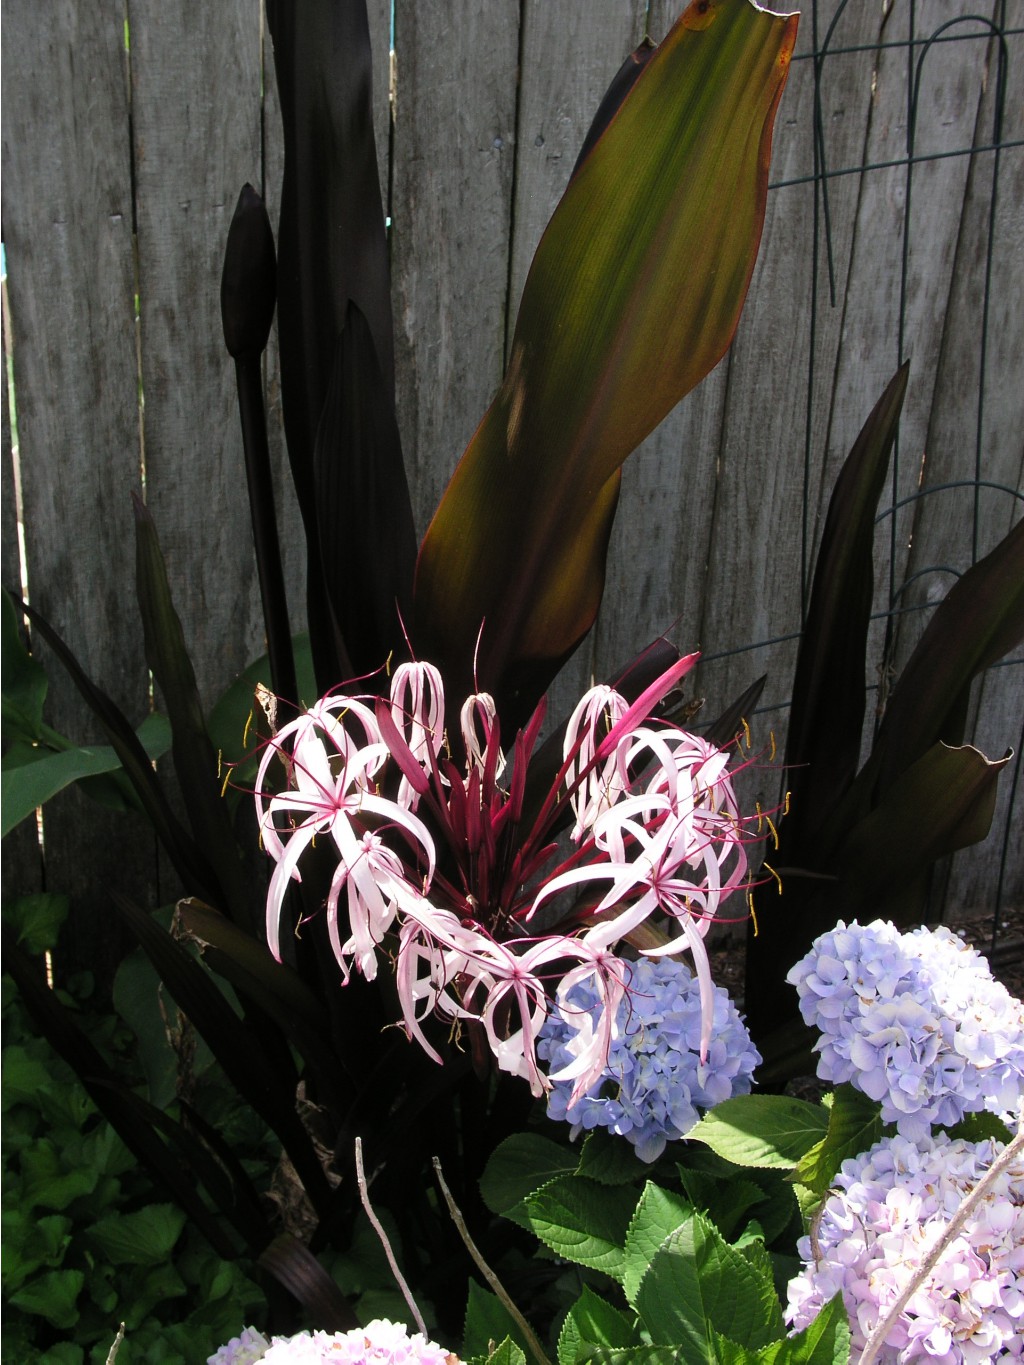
444,868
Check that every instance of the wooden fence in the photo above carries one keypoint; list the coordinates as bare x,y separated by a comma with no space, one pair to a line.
129,127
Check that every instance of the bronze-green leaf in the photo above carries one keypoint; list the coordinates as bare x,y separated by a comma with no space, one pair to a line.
633,296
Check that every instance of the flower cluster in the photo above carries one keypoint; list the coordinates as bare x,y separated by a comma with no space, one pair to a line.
438,865
378,1343
914,1020
892,1206
654,1085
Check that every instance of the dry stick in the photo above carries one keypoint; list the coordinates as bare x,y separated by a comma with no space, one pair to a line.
112,1354
485,1270
378,1228
876,1340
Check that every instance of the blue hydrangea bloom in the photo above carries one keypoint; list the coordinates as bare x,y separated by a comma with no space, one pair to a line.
916,1021
654,1087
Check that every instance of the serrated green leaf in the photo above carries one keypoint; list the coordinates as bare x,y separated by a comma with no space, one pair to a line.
697,1282
519,1167
583,1221
658,1214
762,1130
854,1125
825,1341
724,1201
52,1296
508,1353
47,1183
146,1237
978,1127
609,1159
631,1355
593,1321
487,1320
37,919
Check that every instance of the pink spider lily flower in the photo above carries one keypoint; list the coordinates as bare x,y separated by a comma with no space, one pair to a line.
417,708
332,784
477,720
594,786
441,866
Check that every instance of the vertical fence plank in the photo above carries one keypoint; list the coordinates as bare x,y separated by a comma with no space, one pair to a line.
196,114
68,233
21,867
569,54
454,149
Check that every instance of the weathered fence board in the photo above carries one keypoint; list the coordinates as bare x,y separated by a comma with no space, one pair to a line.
722,507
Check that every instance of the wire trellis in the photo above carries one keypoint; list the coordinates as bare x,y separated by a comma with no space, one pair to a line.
917,46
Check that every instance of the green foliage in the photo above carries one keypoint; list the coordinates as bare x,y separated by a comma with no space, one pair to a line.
854,1125
762,1130
682,1288
88,1241
853,838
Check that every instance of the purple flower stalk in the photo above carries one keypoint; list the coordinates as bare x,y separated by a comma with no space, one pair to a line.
892,1206
916,1021
654,1085
437,860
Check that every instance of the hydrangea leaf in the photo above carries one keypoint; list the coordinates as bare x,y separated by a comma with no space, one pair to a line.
593,1321
487,1320
583,1221
762,1130
609,1159
657,1215
725,1201
854,1125
697,1282
634,294
825,1341
507,1353
519,1167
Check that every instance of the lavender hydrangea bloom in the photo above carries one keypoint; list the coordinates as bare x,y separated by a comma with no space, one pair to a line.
654,1087
241,1350
915,1021
378,1343
892,1205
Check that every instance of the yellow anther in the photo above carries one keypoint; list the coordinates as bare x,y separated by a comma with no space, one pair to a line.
746,730
245,732
772,751
778,879
753,912
775,832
